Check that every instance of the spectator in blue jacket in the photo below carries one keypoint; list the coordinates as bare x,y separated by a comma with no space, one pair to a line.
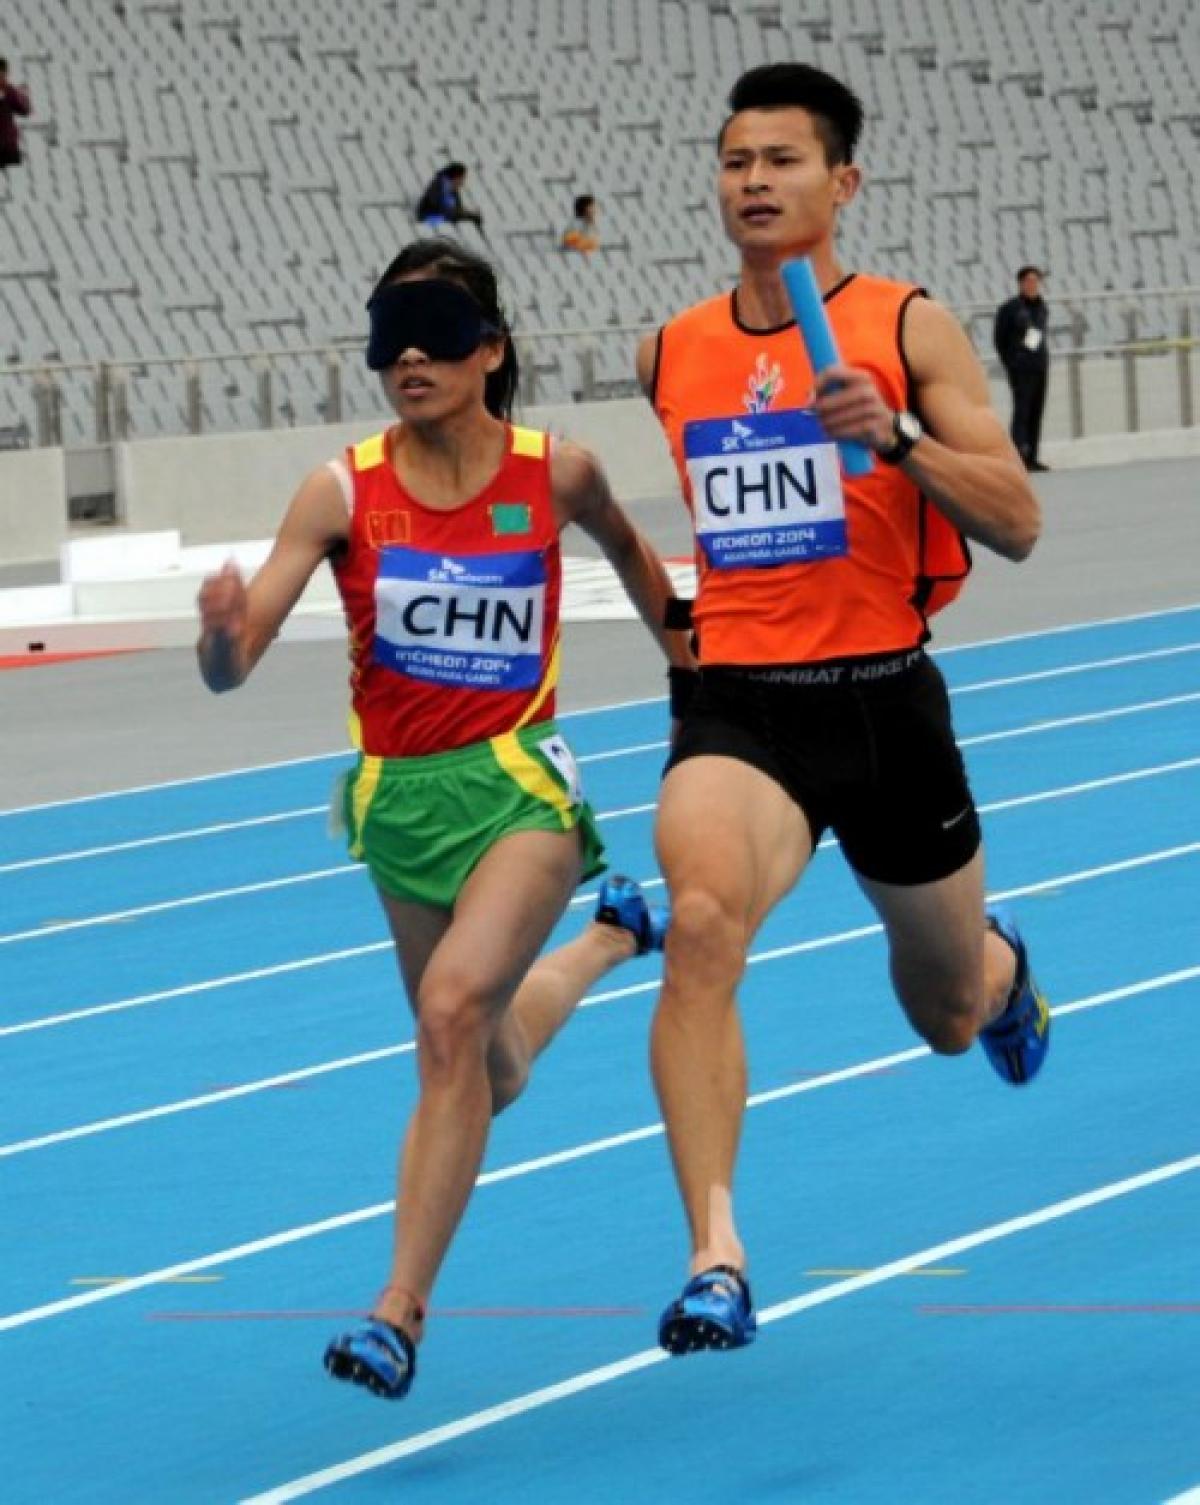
441,204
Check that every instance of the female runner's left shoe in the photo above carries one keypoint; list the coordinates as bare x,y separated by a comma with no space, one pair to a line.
621,902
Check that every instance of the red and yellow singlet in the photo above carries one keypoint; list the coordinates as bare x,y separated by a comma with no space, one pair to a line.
453,615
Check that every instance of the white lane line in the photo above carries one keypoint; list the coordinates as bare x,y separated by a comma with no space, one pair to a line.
525,1168
344,869
193,833
283,1079
190,834
193,779
209,985
1068,627
1188,1497
121,1005
213,896
581,900
592,1379
1120,662
1114,714
325,757
205,1100
596,710
40,932
1089,786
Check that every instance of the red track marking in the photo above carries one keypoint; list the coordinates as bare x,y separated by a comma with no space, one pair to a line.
36,660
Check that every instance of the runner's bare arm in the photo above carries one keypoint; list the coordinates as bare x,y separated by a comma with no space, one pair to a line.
582,496
966,464
646,363
238,621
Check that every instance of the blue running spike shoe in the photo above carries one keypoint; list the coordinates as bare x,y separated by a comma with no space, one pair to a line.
621,902
715,1311
376,1355
1017,1042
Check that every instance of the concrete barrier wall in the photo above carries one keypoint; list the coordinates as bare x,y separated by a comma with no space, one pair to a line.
222,487
226,486
219,487
626,436
33,505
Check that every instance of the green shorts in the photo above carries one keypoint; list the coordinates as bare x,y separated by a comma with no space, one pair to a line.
421,824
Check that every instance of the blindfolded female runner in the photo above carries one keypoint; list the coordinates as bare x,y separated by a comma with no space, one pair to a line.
465,801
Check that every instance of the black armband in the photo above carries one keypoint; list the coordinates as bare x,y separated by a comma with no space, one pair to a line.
677,617
682,687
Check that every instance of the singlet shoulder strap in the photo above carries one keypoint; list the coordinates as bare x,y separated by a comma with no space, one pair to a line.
530,444
368,453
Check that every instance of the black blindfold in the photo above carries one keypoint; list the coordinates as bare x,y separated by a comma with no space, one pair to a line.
429,314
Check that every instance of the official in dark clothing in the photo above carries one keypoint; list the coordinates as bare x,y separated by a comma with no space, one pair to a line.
1020,337
13,102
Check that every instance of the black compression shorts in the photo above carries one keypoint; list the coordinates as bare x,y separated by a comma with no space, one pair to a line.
865,747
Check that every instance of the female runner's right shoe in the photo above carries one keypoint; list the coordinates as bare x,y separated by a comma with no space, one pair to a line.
378,1356
715,1310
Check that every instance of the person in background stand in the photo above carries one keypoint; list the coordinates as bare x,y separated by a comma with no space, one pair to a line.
13,102
581,234
1020,337
441,204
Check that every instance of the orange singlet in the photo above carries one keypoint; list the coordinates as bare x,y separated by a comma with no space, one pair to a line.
796,563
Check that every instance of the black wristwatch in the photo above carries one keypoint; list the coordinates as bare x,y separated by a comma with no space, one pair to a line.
908,431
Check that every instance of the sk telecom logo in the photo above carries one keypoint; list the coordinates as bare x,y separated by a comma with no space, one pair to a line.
448,571
733,441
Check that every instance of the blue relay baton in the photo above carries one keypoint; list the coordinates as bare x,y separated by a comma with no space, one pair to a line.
809,308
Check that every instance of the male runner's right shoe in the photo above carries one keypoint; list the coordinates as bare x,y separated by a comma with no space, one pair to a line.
378,1356
621,902
715,1310
1017,1042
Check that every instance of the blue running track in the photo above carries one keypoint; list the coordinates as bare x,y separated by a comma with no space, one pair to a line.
968,1293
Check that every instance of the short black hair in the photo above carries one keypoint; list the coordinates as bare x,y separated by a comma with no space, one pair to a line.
476,276
1023,272
582,204
836,110
455,170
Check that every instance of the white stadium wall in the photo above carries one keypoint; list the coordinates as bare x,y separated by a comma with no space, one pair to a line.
33,505
230,486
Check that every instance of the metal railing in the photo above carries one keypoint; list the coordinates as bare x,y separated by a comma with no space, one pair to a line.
329,383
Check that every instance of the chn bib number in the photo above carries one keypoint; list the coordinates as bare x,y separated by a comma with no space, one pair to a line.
766,489
472,621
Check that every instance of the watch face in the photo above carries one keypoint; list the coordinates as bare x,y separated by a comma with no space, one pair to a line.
908,427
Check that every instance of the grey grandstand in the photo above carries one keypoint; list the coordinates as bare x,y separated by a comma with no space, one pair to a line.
222,177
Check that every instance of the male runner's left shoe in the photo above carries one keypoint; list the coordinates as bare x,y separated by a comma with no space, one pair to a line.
621,902
378,1356
715,1310
1017,1042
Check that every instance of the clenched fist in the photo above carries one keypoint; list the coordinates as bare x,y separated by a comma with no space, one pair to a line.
222,602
